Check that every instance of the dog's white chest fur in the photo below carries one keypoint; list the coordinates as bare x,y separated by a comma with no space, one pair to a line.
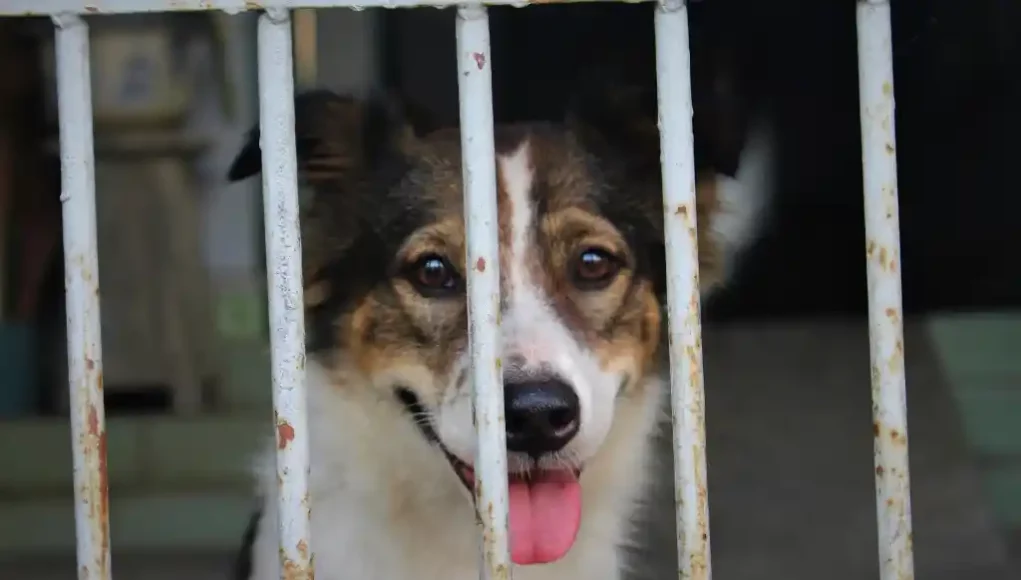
386,506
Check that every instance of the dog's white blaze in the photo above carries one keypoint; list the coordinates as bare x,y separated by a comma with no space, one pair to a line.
516,173
531,327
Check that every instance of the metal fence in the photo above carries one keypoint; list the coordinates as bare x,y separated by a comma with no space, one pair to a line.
283,246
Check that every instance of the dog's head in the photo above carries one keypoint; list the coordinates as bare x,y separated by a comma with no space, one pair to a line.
581,263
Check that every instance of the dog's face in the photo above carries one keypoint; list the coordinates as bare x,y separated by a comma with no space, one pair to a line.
581,245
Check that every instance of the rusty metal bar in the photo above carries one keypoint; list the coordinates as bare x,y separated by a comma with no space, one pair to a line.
286,302
46,7
886,332
81,285
475,91
673,70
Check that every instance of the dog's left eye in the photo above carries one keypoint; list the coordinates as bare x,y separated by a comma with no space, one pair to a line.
433,275
595,268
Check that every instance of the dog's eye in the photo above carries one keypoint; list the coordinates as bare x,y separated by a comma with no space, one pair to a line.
433,275
594,269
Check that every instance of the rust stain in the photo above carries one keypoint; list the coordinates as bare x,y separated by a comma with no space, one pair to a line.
285,434
891,313
104,504
93,420
681,211
480,264
90,364
883,258
253,5
889,149
875,429
293,570
898,437
480,59
302,548
91,9
879,470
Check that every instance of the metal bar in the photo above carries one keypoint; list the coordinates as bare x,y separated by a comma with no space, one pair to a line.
475,91
673,71
886,332
46,7
81,286
286,312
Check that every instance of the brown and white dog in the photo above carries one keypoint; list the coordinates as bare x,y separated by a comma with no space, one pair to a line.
581,252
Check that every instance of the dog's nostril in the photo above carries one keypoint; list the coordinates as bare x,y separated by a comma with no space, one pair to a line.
562,419
541,417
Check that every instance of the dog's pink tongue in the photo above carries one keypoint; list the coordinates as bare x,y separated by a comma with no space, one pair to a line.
545,512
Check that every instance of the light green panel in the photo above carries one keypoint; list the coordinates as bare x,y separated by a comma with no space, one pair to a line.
992,418
247,386
203,451
1003,487
206,521
241,315
978,345
151,452
37,454
980,354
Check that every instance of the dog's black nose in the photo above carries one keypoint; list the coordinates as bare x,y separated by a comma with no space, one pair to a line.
542,417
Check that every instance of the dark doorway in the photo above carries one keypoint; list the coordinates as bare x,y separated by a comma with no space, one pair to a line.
957,120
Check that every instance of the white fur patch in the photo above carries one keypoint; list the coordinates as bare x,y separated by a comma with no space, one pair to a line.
745,198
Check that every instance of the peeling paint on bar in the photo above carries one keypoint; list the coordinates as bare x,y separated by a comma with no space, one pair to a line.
475,90
886,332
673,70
81,284
286,312
46,7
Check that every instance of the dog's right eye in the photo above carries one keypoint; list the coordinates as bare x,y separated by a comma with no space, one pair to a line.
433,276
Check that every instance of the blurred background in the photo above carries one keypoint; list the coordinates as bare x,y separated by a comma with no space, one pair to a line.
182,276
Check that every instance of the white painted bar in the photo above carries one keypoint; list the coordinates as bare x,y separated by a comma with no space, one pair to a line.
886,332
81,286
475,90
673,72
45,7
286,302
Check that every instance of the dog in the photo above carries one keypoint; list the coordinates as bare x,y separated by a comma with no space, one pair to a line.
581,246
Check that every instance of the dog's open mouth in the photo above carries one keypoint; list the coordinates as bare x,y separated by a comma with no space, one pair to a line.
545,504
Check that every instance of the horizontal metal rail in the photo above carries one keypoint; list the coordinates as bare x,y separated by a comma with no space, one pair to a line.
47,7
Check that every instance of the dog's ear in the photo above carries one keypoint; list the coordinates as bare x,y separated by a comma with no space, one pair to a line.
341,144
338,138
